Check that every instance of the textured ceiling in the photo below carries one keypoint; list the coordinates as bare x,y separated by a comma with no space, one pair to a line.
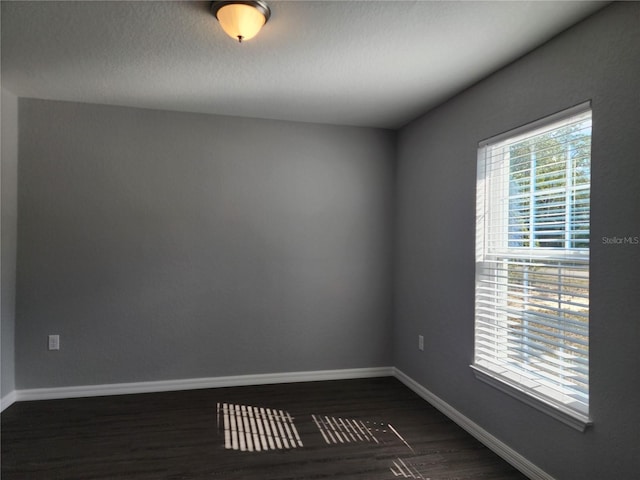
368,63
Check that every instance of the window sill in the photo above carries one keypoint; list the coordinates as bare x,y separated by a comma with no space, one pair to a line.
573,419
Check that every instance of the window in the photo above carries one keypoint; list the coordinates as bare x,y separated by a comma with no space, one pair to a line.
532,264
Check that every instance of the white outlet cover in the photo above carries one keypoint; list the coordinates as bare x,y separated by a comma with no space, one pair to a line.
54,342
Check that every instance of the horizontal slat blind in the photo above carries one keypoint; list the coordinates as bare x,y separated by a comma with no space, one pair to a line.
532,259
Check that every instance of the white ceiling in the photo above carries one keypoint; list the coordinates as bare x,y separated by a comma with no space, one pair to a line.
368,63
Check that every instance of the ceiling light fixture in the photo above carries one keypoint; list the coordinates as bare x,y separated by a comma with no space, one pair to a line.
241,20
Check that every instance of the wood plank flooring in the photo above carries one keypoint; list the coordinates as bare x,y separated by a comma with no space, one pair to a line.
373,429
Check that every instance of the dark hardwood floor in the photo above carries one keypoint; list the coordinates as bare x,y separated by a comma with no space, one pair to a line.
373,429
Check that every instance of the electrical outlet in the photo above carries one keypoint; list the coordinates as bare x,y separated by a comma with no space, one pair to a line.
54,342
420,343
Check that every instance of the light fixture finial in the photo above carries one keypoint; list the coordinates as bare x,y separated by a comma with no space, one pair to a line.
241,20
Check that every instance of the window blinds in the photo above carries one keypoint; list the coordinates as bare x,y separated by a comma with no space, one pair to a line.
532,260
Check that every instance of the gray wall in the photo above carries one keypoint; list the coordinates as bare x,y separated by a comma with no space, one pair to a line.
598,59
164,245
8,189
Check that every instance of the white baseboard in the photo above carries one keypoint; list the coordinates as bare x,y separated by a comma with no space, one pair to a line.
8,400
197,383
498,447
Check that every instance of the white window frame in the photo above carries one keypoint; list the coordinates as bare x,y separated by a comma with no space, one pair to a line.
492,247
